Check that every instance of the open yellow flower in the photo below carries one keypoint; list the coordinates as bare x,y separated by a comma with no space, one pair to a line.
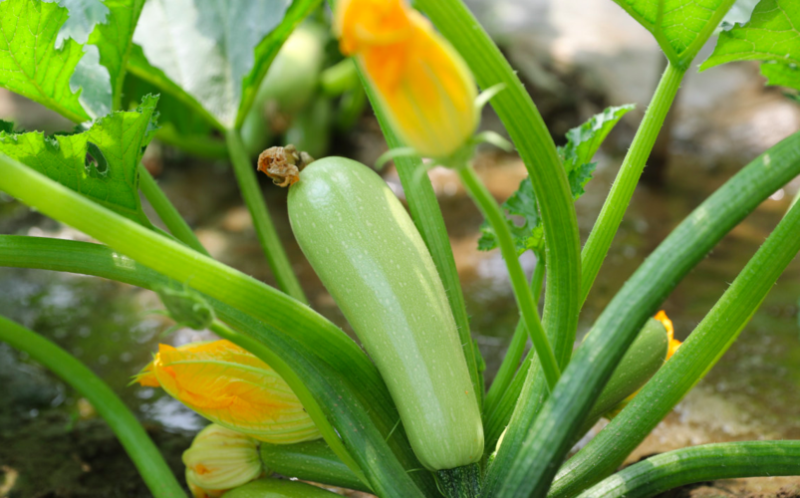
674,344
231,387
422,83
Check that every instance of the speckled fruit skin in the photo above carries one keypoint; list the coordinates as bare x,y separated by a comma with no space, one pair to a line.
368,253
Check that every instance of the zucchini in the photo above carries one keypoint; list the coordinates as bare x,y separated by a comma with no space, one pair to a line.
276,488
368,254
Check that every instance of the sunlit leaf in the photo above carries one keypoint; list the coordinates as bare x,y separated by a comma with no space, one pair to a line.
100,163
582,144
215,52
681,27
584,141
772,34
781,74
31,64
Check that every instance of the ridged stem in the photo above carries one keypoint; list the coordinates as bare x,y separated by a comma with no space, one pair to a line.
267,236
522,292
607,224
708,462
167,212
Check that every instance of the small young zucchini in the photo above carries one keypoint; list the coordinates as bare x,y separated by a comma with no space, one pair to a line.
365,249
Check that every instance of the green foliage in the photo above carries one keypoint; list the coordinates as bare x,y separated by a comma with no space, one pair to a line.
781,74
681,27
772,34
99,163
582,144
114,40
32,65
188,49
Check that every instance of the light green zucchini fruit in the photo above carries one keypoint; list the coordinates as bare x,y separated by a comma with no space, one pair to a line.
365,249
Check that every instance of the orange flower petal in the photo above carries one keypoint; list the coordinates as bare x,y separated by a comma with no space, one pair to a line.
231,387
674,344
422,83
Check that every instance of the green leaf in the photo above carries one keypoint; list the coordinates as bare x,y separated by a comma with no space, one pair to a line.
114,40
772,34
99,163
680,27
584,141
216,53
781,74
179,124
582,144
529,235
32,65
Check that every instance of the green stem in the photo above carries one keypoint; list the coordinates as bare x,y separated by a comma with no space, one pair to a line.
536,148
270,242
529,464
508,368
699,464
167,212
151,465
309,343
686,246
310,461
712,337
602,235
461,482
429,221
527,305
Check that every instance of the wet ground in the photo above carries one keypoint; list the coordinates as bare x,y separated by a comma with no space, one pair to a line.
52,446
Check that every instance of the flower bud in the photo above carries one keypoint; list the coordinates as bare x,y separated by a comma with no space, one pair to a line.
221,459
421,82
231,387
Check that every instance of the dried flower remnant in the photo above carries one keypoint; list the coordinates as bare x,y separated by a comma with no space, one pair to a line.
421,82
283,164
233,388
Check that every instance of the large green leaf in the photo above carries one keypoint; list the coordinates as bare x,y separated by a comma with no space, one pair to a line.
772,34
214,52
99,163
31,64
781,74
681,27
576,156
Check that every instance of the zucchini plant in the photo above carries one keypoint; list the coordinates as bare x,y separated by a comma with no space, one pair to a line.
408,415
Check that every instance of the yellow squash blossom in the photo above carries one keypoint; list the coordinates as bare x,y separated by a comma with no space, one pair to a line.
674,344
231,387
422,83
219,460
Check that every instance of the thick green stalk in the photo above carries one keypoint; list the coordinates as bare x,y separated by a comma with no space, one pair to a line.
704,347
522,292
516,349
548,441
429,221
686,246
167,212
596,248
290,326
699,464
532,139
270,242
309,461
306,374
144,454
